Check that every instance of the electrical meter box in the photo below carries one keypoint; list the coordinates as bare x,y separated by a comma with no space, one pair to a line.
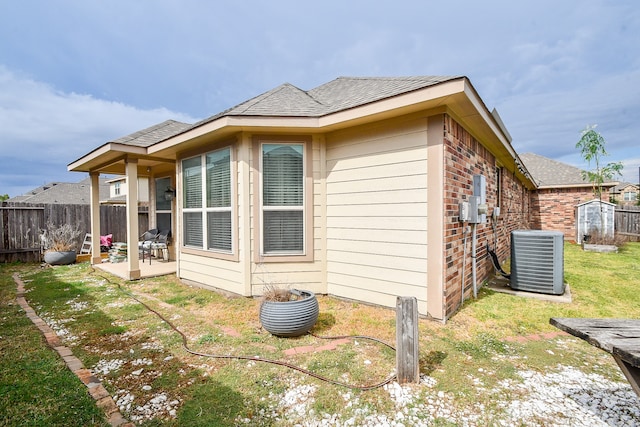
463,214
474,210
479,211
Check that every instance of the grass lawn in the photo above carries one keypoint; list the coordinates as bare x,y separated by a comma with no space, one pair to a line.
474,363
36,387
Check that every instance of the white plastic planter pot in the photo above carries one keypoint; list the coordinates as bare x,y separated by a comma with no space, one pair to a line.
290,318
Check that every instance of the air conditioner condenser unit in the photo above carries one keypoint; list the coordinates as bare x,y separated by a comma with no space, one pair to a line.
537,261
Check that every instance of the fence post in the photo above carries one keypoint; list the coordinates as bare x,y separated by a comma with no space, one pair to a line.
407,357
5,227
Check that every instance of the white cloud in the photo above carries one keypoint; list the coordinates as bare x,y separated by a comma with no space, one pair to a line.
550,122
631,171
43,129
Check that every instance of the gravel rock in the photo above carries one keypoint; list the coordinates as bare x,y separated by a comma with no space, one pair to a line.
564,397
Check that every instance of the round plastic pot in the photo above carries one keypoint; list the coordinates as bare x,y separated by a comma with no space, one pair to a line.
290,318
60,257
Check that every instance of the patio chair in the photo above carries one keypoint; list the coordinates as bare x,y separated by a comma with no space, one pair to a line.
161,243
145,241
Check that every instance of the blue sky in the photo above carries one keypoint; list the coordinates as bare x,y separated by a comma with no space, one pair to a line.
76,74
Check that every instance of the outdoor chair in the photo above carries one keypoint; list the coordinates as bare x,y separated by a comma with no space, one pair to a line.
161,243
106,242
154,240
144,244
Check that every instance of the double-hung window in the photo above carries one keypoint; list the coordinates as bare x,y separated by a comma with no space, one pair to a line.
207,210
282,192
163,204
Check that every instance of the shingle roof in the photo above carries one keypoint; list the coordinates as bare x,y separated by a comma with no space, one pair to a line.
153,134
63,193
552,173
349,92
340,94
618,188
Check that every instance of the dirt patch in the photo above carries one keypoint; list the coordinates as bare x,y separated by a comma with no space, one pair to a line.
536,337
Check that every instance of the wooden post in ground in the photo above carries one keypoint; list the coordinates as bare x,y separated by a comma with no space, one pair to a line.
407,357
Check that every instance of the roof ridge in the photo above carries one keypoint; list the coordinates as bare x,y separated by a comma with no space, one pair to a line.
425,77
268,94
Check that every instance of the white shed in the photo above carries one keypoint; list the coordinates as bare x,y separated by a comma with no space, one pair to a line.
594,217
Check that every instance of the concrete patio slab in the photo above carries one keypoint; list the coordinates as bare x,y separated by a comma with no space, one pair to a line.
156,268
500,284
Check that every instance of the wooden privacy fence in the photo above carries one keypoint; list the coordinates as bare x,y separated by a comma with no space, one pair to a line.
21,226
20,233
627,220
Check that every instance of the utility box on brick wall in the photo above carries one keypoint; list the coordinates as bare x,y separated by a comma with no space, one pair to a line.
594,218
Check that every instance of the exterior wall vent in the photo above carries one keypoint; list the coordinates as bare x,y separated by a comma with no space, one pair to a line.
537,261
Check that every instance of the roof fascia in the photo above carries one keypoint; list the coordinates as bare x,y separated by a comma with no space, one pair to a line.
436,94
229,123
586,185
551,187
497,127
332,120
79,165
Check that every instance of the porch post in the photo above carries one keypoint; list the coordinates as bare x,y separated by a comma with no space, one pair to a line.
95,217
133,261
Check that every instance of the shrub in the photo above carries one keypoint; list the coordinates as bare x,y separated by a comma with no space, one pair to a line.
59,238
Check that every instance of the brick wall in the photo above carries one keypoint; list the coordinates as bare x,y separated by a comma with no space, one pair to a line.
464,156
555,209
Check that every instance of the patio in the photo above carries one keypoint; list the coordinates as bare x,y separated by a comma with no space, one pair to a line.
156,268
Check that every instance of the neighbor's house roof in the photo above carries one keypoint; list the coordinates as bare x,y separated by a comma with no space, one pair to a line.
72,193
549,173
623,186
338,104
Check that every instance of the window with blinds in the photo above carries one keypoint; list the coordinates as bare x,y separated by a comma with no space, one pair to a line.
163,204
283,225
207,210
218,192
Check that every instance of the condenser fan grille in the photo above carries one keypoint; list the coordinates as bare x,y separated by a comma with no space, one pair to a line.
537,261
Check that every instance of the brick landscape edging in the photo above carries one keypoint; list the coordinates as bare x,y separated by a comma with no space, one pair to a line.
94,386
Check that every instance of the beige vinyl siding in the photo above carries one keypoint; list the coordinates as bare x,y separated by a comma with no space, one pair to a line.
212,272
377,213
287,276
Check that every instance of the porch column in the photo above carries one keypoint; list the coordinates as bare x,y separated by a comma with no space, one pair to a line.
133,261
95,217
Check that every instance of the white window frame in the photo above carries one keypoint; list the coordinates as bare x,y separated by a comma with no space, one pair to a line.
204,209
